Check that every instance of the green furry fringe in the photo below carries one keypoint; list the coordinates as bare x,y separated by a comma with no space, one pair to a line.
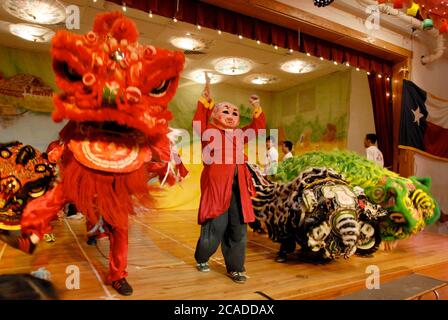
355,169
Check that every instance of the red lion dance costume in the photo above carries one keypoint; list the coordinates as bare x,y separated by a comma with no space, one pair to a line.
115,93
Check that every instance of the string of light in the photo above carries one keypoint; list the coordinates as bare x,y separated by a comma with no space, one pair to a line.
318,3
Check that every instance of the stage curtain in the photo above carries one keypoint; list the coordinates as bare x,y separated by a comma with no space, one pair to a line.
213,17
382,113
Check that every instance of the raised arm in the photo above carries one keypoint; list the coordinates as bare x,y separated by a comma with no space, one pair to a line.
258,116
204,108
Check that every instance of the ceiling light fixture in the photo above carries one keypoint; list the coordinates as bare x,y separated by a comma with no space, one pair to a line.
187,43
298,66
36,11
31,32
199,77
262,79
233,66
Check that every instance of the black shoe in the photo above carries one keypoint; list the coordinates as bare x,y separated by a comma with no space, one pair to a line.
238,277
122,287
91,241
281,258
16,240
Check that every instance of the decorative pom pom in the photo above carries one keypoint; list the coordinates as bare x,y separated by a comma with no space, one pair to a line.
116,24
124,28
103,22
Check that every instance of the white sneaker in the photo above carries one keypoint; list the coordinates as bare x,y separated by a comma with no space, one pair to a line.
203,267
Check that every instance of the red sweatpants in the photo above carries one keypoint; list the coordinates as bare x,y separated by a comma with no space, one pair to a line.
39,213
118,253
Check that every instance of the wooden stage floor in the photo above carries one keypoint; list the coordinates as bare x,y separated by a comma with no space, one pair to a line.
162,266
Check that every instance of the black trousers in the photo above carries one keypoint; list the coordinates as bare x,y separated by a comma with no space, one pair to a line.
287,246
229,230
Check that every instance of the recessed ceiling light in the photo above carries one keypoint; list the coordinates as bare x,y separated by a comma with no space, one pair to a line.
261,79
298,66
31,32
187,43
233,66
199,77
37,11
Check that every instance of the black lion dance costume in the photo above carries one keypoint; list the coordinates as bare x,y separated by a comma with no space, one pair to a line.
319,211
339,203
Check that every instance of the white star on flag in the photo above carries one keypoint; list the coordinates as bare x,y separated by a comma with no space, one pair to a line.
417,115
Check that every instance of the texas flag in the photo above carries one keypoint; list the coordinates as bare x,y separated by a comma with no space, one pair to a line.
424,121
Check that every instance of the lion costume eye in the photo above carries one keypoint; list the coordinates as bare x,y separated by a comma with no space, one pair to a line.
37,192
160,90
397,217
5,154
64,70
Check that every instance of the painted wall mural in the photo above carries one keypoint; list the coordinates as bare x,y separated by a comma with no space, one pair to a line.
315,115
26,89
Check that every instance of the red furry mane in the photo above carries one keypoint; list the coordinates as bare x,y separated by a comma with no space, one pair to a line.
117,25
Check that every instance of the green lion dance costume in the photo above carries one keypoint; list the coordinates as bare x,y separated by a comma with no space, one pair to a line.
408,201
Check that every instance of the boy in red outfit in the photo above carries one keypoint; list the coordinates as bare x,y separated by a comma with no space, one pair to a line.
226,185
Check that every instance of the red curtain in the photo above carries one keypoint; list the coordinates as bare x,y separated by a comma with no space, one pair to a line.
381,93
210,16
